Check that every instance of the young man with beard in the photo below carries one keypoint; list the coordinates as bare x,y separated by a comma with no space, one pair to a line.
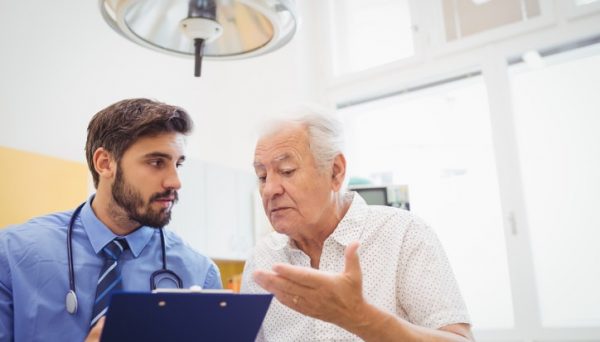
134,149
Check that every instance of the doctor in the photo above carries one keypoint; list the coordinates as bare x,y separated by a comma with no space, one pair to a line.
57,271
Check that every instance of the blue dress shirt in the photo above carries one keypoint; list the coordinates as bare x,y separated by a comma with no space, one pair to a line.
34,275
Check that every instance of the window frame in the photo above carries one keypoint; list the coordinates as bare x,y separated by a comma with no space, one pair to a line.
574,12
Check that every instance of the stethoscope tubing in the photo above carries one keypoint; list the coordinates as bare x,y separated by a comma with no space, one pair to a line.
70,247
71,299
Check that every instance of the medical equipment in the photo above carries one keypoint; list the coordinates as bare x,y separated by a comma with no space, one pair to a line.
215,29
71,298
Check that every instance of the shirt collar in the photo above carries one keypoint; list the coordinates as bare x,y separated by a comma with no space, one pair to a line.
351,226
349,229
100,235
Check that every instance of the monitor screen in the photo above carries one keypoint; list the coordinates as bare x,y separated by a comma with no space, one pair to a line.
374,196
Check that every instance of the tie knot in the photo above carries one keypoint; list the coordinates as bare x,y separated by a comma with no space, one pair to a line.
114,248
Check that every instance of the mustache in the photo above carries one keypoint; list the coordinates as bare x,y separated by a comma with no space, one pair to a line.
167,193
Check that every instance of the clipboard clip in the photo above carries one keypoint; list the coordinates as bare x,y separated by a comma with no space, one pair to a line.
192,289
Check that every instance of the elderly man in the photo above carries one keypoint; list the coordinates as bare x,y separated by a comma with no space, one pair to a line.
403,289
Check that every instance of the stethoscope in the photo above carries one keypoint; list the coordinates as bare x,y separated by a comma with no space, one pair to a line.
164,273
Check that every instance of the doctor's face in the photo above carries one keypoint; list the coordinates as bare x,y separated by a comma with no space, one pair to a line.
297,196
147,180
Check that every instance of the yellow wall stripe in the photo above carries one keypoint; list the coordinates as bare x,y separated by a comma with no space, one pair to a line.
32,184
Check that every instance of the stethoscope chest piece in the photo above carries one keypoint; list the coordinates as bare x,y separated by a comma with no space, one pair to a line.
71,302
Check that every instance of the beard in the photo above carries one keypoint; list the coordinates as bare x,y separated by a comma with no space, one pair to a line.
131,201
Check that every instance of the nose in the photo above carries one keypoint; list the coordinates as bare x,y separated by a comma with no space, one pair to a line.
172,180
271,187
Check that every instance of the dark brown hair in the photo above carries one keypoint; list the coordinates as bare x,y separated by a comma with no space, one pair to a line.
118,126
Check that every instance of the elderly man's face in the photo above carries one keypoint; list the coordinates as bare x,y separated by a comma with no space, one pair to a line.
295,194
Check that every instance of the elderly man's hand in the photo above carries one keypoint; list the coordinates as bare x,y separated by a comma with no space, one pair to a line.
335,298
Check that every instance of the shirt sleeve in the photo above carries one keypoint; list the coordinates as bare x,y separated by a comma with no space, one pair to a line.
213,278
6,301
247,281
428,290
248,284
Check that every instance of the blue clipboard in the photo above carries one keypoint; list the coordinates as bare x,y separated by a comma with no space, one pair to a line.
198,316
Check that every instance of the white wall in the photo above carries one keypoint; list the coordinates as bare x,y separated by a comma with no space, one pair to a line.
60,63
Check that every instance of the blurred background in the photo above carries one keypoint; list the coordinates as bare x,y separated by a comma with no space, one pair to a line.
483,115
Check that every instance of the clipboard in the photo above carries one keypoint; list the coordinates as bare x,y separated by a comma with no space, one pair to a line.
190,316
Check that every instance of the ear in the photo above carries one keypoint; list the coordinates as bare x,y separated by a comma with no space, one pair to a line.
339,172
104,163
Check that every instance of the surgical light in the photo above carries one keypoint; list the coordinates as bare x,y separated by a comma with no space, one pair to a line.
211,29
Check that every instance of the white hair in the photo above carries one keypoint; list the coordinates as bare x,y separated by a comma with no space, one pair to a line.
325,133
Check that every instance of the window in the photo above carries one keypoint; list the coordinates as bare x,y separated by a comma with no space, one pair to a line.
438,142
467,17
584,2
579,8
558,125
370,33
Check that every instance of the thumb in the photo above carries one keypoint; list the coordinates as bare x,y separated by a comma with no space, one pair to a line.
352,265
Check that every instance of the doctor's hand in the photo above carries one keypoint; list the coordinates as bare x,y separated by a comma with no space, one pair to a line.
96,332
335,298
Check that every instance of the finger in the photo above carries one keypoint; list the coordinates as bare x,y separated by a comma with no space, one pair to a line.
100,325
303,276
297,303
275,283
264,279
352,264
286,292
280,288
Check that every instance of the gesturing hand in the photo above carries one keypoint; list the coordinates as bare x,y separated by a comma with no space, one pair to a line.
335,298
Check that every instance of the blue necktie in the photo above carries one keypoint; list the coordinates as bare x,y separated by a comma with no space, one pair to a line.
110,277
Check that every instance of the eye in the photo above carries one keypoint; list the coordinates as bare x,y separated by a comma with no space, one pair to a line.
261,176
287,172
179,164
157,163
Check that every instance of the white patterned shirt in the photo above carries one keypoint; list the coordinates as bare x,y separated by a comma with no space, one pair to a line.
404,268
